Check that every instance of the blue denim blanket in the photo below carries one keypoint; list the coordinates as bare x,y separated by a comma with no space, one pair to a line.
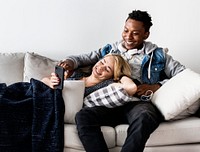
31,118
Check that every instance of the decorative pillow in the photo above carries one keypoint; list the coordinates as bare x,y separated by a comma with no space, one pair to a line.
37,66
11,67
73,92
110,96
178,95
189,111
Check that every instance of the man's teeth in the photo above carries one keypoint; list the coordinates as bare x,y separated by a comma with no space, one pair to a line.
129,43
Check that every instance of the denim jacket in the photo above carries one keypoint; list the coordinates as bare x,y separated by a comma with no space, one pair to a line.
157,66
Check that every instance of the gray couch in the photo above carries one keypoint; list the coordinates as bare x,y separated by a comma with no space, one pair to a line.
171,136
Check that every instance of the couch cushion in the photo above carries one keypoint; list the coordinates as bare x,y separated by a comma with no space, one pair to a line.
72,140
37,66
168,133
73,92
176,132
11,67
178,94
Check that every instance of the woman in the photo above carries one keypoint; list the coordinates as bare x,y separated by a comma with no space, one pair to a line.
111,68
28,114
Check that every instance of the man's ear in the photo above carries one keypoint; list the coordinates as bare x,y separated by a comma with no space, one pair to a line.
146,35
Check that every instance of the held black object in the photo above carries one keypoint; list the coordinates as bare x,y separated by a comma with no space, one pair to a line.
60,73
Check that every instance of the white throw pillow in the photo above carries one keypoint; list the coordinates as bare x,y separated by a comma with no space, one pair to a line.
37,66
73,92
11,67
189,111
178,94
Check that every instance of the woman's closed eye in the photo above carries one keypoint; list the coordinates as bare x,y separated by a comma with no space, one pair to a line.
107,67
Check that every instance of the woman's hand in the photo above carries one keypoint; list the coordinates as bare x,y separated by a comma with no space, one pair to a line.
127,84
51,81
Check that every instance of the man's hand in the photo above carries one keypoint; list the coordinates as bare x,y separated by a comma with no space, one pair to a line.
141,89
68,65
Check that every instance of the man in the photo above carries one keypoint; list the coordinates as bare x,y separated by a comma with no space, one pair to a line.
151,67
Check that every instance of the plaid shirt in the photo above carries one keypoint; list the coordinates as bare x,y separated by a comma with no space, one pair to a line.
109,96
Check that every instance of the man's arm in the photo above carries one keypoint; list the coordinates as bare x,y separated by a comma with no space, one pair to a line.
172,67
83,60
75,61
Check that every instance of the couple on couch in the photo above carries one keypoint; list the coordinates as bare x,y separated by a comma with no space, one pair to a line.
150,67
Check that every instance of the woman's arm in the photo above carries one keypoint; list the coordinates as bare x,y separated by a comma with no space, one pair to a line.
127,84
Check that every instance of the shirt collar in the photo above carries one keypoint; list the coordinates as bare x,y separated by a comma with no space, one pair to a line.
131,51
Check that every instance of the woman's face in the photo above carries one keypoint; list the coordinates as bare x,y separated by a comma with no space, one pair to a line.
104,69
134,34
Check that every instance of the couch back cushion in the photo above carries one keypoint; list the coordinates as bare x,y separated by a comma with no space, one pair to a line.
37,66
11,67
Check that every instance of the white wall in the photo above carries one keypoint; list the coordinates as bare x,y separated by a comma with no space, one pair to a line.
58,28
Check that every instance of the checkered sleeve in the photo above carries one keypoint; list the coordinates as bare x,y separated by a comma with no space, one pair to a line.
109,96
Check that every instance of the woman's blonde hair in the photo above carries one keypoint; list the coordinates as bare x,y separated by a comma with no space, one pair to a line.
121,67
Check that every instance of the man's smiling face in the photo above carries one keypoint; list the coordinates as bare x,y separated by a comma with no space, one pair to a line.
134,34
